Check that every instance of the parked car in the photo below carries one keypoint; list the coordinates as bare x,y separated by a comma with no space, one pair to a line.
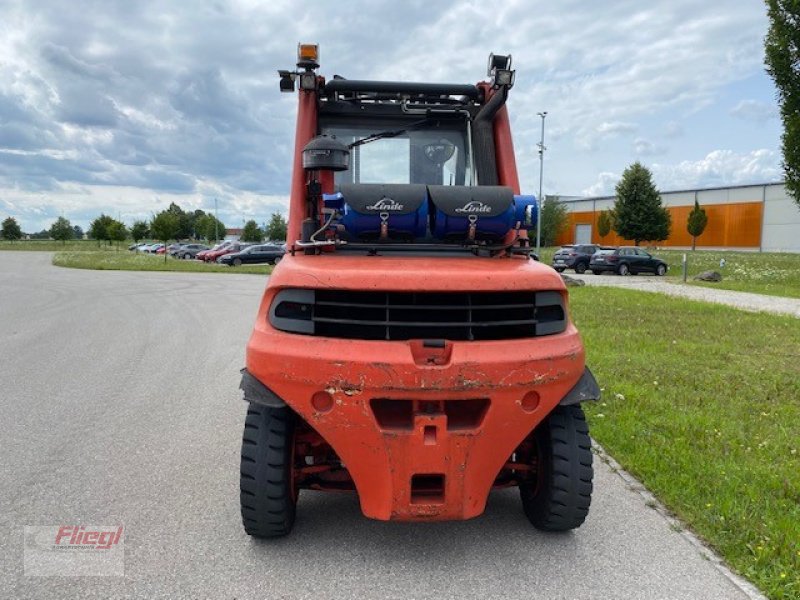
157,249
627,260
202,254
214,255
260,254
576,257
189,251
173,248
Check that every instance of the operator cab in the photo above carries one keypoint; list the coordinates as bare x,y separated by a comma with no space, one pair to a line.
408,166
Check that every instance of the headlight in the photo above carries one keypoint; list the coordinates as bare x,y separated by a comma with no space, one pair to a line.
293,311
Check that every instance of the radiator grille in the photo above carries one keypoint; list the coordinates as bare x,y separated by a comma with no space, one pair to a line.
470,316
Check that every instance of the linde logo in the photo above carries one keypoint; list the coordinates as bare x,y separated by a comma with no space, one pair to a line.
386,204
474,207
80,538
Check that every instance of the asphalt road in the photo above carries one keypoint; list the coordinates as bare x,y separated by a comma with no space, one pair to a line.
119,405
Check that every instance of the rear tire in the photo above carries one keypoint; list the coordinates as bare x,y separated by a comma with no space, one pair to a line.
623,270
268,496
559,269
559,497
596,272
580,268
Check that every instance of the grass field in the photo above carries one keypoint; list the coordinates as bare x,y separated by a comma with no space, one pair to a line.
772,273
702,404
53,246
129,261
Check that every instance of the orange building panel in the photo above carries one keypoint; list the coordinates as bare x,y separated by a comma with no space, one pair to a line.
734,225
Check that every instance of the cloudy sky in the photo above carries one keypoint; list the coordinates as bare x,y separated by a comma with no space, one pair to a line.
126,106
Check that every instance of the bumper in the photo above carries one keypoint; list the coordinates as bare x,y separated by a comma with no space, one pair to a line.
405,415
602,267
567,264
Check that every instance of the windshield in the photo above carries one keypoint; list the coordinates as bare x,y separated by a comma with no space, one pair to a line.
433,151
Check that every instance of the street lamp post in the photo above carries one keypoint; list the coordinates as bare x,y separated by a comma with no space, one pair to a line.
541,198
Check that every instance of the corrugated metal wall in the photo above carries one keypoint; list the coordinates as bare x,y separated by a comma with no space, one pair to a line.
737,218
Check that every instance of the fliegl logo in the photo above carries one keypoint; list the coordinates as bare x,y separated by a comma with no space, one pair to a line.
474,207
79,537
386,205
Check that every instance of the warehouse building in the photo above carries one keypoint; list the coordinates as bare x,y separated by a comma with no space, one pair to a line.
749,217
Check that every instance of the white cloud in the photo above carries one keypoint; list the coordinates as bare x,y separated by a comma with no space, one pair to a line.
753,110
643,147
604,186
719,168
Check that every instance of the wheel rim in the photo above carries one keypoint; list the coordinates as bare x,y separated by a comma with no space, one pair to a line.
277,260
661,270
623,270
237,262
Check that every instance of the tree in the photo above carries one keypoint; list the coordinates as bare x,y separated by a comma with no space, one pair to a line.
77,232
117,232
98,229
782,46
210,228
696,224
554,219
638,213
252,232
605,222
276,229
165,226
62,230
11,230
139,230
185,220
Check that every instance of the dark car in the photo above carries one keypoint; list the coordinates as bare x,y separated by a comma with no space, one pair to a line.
262,253
575,257
627,260
189,251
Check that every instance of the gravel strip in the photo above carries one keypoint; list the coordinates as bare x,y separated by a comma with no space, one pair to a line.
741,300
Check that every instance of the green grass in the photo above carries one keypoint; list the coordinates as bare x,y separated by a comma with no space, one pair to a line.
702,403
771,273
53,246
129,261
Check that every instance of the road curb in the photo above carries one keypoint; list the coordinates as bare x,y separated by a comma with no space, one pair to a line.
680,528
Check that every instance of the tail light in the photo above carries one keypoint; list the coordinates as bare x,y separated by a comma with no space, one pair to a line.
612,257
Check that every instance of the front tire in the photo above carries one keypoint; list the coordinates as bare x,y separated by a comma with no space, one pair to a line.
237,262
559,495
661,270
268,495
560,269
597,272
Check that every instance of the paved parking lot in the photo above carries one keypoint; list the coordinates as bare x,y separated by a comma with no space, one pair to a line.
120,405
